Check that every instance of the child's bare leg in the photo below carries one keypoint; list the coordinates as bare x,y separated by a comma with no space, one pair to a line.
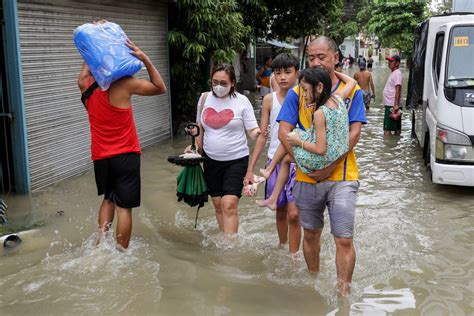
282,178
277,157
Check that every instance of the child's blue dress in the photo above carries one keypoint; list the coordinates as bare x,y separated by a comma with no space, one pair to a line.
337,135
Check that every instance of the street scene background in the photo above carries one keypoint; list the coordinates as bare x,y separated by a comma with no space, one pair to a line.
413,240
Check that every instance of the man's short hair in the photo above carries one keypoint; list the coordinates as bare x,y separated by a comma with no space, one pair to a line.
284,61
329,42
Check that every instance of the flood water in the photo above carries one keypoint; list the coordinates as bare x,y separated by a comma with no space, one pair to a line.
414,243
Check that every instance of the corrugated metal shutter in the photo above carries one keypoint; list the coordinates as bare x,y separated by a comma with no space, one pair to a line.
57,125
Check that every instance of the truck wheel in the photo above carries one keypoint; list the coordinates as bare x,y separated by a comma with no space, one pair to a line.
427,156
426,150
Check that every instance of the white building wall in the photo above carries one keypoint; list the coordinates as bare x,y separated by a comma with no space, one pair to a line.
348,47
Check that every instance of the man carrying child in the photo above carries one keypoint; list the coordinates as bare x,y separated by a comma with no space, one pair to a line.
340,185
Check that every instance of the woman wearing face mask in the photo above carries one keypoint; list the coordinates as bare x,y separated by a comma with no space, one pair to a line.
225,116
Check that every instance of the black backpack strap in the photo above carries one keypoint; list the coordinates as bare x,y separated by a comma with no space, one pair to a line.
87,94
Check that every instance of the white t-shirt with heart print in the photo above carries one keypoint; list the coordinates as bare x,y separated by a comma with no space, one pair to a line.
225,121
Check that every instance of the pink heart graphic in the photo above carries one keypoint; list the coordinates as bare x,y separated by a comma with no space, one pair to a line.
215,119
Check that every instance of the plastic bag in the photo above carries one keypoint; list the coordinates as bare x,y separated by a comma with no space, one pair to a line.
102,46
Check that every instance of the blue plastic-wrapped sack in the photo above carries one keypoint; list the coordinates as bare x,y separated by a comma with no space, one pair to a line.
102,46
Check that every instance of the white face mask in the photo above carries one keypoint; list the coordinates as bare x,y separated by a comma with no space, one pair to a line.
221,91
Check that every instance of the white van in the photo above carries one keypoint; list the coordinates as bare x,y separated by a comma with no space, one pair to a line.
441,95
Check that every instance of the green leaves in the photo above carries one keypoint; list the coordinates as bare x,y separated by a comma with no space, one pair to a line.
177,38
201,31
394,22
341,22
194,52
212,27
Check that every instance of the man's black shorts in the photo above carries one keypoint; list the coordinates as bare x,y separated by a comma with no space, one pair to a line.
118,178
225,177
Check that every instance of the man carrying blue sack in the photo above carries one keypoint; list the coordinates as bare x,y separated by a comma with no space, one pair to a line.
114,142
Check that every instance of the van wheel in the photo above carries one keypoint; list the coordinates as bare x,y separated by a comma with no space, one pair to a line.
427,156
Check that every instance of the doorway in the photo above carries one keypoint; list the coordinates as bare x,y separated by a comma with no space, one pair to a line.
7,178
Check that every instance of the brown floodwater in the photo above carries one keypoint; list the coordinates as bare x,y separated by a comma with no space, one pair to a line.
414,243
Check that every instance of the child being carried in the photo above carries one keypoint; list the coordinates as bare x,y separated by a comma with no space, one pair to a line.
328,137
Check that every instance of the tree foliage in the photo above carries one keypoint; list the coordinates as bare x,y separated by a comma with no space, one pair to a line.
283,19
200,31
442,8
341,22
393,22
255,13
205,30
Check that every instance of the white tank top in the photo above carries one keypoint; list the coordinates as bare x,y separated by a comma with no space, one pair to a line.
274,141
271,86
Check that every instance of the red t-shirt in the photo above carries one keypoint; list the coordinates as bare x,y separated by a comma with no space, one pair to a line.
113,130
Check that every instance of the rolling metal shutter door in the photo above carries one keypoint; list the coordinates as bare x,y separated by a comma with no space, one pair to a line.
57,124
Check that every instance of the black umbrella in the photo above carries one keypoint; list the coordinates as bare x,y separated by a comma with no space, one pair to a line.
191,185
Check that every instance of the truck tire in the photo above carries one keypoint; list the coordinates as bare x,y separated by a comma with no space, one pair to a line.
426,150
427,156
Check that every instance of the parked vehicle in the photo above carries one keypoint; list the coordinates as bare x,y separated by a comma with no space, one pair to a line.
441,96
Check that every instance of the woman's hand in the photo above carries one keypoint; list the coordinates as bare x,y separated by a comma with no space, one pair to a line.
293,138
249,176
253,134
192,130
189,150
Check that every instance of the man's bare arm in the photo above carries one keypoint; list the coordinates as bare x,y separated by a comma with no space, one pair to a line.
398,90
354,134
155,85
84,77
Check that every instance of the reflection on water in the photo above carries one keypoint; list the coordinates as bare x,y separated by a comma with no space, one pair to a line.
413,242
381,302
